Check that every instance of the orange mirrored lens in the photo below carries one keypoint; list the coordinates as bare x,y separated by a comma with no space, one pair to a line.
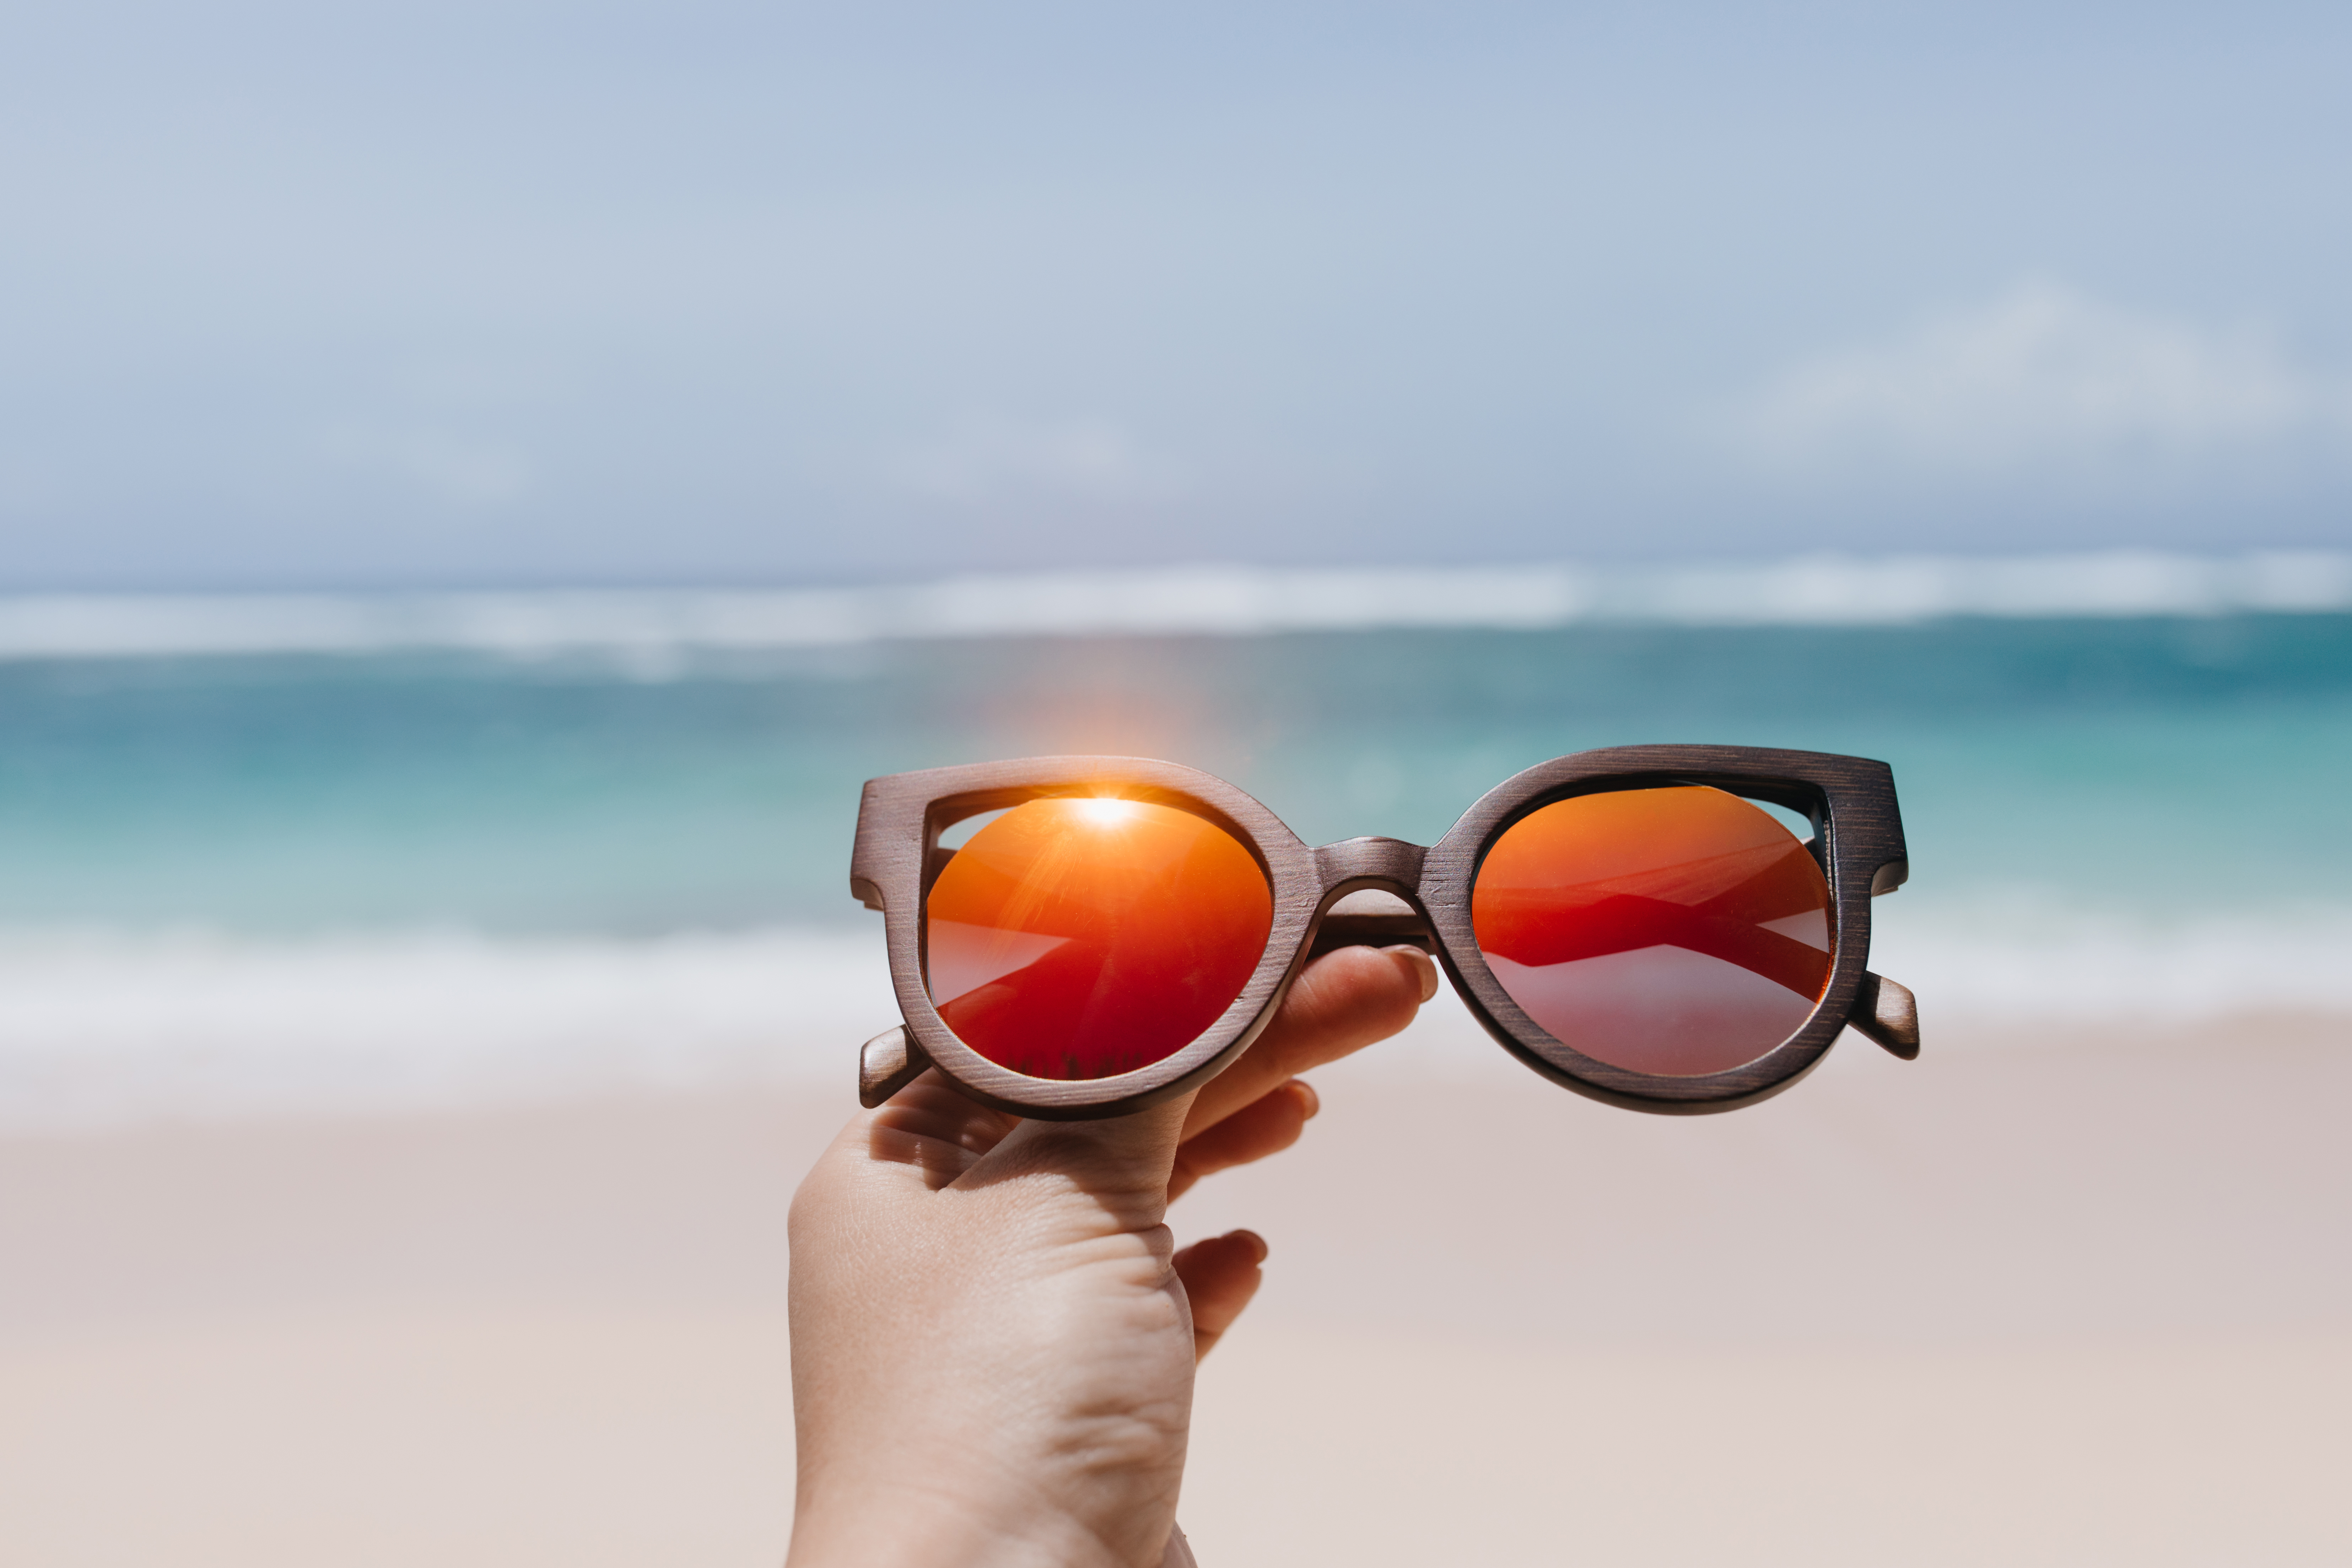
1677,931
1080,938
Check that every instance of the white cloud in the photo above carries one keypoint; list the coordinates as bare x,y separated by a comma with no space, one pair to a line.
990,460
2044,378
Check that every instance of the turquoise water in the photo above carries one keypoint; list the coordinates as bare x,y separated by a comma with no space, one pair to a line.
2160,769
254,883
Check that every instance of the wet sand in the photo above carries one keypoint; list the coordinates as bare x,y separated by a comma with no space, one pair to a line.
2024,1300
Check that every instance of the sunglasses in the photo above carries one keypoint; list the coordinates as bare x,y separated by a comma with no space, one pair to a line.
1629,922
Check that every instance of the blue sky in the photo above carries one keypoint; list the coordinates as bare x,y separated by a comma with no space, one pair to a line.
518,292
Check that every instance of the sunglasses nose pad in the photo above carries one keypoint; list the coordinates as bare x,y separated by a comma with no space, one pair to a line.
887,1064
1885,1010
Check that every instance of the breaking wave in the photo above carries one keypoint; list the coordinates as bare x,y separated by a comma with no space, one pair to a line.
1212,600
103,1029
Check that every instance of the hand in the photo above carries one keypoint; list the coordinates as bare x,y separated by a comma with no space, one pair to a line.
993,1336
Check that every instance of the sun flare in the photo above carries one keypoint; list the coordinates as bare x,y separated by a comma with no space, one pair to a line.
1107,811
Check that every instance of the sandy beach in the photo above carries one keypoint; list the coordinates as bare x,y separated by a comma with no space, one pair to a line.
2032,1301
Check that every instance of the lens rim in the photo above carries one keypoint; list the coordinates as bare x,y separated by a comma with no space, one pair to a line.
1198,818
1858,837
899,858
1851,800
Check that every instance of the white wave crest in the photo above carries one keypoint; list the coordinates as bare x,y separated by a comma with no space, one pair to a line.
100,1029
1230,600
2019,962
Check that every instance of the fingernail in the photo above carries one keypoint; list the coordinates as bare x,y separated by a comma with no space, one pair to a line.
1305,1093
1256,1242
1424,968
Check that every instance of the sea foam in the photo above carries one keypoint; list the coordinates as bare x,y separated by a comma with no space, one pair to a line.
100,1029
1204,600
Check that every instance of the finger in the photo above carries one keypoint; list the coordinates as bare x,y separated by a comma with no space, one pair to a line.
1220,1276
1267,1126
1122,1160
920,1139
1340,1002
929,1130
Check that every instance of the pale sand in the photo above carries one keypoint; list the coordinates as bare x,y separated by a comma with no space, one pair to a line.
2021,1304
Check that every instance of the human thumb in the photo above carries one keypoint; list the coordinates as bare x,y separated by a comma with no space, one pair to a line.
1106,1155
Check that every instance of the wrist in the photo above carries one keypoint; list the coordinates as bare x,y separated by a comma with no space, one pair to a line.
843,1523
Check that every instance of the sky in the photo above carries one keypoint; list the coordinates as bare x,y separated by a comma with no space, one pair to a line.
516,292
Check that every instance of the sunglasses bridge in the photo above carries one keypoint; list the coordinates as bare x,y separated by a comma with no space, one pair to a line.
1370,886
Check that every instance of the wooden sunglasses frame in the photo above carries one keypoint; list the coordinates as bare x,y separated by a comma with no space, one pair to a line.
1857,837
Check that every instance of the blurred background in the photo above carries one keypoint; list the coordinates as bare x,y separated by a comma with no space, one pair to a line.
481,486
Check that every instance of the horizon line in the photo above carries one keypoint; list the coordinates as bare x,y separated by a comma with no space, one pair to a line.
1209,599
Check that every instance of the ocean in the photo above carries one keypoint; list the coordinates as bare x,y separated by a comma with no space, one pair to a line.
277,854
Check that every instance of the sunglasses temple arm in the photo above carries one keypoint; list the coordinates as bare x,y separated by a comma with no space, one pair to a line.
1886,1011
887,1064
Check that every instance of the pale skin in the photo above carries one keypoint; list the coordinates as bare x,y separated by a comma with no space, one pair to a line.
993,1332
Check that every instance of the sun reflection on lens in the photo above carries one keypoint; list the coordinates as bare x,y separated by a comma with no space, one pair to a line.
1081,937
